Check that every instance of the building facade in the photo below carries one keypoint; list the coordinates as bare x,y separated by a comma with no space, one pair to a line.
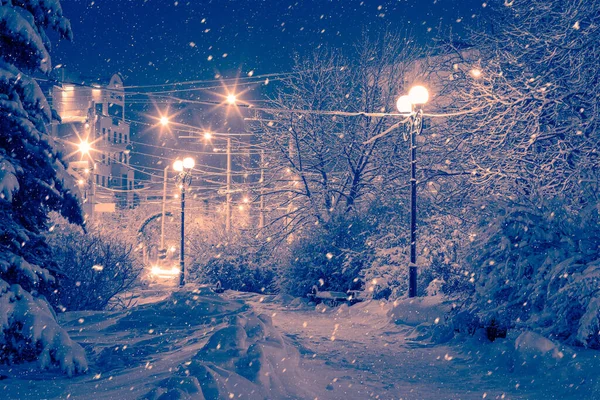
97,139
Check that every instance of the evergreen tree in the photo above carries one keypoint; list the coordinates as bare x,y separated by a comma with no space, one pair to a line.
33,181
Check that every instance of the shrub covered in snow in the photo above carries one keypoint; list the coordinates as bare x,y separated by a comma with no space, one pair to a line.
243,271
331,256
239,262
94,268
438,243
539,269
33,181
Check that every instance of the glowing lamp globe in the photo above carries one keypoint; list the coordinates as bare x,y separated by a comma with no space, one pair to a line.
188,163
404,105
164,121
84,147
178,165
231,99
418,95
207,135
476,73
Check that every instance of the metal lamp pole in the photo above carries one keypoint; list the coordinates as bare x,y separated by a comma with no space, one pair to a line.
182,245
184,179
415,129
412,106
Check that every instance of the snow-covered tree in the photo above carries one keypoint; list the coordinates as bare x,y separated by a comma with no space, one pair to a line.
33,181
524,102
321,162
522,119
539,268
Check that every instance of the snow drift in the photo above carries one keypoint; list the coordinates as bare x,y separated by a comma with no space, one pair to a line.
188,344
243,354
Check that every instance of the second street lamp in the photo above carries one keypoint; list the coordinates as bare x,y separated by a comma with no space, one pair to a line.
184,179
412,106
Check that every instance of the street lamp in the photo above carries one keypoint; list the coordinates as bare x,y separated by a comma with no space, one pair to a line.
231,99
412,106
184,179
164,121
84,147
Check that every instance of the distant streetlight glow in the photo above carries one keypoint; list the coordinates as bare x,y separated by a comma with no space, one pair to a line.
164,121
84,147
231,99
476,73
166,273
207,135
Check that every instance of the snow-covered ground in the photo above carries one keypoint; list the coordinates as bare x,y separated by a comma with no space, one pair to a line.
188,344
196,344
378,350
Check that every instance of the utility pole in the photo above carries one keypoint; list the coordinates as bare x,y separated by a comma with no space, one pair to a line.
290,209
93,197
162,220
261,221
228,195
92,168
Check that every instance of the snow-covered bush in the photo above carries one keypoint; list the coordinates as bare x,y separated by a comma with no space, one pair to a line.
438,242
330,256
539,269
245,272
33,181
237,261
94,269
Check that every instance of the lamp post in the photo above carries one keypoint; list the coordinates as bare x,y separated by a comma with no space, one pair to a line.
84,147
163,251
411,105
184,179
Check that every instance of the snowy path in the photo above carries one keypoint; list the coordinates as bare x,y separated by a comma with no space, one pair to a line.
362,355
195,344
190,344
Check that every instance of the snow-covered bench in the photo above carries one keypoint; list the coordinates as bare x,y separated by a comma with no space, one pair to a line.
332,298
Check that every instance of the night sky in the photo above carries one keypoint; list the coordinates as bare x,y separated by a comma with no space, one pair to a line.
158,41
154,41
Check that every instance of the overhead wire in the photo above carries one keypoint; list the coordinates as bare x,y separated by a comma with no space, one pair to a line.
217,80
245,106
